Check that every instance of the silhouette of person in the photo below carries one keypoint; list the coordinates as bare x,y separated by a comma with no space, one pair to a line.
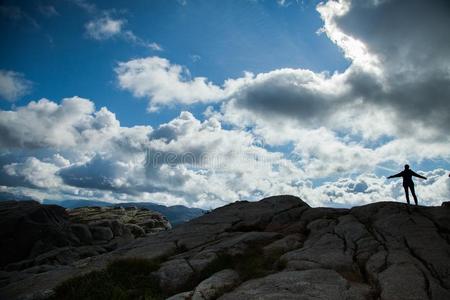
407,175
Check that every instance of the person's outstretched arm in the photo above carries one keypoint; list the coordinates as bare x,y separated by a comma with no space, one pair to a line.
417,175
396,175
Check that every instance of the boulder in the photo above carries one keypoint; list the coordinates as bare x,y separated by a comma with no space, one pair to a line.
101,233
285,244
241,243
309,284
202,260
181,296
28,229
174,275
216,285
136,230
82,232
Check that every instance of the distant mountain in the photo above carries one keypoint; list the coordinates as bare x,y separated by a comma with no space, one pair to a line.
5,196
176,214
77,203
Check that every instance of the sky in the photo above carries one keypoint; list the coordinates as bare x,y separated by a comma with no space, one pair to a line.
203,103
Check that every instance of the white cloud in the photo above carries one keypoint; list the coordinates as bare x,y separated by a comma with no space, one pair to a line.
13,85
104,28
90,155
107,27
85,5
164,83
72,126
33,126
128,35
213,166
435,189
354,49
191,162
155,46
39,174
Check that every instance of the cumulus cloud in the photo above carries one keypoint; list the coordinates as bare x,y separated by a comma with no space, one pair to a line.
97,173
81,150
74,126
369,188
212,165
164,83
90,155
13,85
37,173
34,125
435,189
412,56
184,161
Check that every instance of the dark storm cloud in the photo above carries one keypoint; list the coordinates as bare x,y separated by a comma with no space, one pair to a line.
412,41
403,33
98,173
282,94
410,79
105,173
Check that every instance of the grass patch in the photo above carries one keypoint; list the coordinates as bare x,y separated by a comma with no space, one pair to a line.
254,264
251,264
122,279
132,278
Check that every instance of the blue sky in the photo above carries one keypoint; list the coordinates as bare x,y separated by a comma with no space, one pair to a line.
321,89
214,39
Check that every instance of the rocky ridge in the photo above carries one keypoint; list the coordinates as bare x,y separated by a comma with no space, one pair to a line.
282,248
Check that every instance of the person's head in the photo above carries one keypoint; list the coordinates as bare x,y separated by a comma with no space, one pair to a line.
406,167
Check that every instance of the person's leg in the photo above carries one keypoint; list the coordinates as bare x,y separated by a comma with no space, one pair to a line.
406,193
413,192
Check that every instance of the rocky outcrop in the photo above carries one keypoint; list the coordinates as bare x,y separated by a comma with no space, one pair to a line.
34,235
282,248
114,217
28,229
176,214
